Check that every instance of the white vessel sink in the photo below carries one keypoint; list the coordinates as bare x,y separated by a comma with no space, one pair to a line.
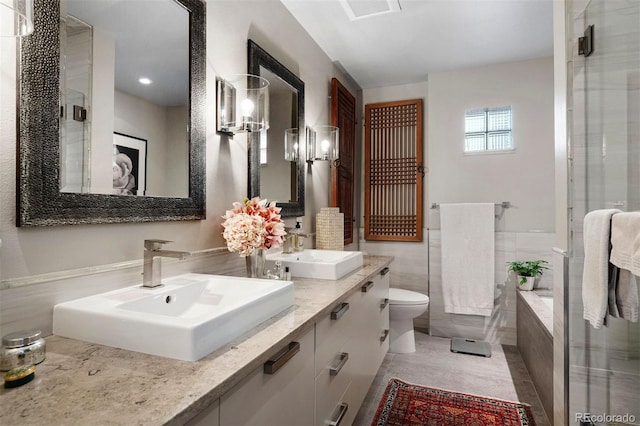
320,264
188,318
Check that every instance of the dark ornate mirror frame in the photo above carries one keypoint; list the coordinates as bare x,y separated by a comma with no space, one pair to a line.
39,200
258,57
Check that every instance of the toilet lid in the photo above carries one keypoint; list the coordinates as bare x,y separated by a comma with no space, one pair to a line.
399,296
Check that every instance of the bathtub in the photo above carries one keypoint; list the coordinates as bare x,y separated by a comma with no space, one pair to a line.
534,328
547,300
540,303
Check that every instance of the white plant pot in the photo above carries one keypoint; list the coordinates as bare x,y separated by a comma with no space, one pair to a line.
527,284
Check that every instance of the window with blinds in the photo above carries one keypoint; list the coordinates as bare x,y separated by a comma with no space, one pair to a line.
488,129
393,171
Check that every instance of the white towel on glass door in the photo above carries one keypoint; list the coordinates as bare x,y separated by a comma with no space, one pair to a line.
468,257
627,296
595,274
625,241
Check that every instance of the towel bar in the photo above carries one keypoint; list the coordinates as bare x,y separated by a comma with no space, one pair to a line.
504,205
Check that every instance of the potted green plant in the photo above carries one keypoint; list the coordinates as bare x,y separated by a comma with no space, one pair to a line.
527,271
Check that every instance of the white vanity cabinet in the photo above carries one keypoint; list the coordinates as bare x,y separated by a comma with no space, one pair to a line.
351,343
371,334
279,395
320,378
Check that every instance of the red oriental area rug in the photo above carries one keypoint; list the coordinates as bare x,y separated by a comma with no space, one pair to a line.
404,404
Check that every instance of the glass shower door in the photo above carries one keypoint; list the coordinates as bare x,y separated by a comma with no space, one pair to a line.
604,364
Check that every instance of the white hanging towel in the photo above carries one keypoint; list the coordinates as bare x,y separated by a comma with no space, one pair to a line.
625,254
627,296
625,241
595,275
468,257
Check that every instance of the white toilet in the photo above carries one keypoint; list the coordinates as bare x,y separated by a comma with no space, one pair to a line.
404,306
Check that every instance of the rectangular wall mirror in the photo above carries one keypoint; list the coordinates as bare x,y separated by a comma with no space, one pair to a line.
112,125
272,176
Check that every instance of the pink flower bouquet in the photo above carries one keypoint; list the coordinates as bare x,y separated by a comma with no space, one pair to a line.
254,225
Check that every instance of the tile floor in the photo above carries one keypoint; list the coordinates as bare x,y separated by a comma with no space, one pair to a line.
503,375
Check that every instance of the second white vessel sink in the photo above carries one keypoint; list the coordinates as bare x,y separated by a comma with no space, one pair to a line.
320,264
188,318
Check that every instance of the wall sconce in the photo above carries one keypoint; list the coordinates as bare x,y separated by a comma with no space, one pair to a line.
324,144
16,18
291,145
242,104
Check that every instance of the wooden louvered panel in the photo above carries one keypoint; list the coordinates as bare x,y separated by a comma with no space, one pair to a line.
343,116
393,171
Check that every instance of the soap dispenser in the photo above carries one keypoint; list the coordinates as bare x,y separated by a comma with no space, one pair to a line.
297,237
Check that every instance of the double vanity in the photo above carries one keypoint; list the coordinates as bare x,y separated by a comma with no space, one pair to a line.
311,363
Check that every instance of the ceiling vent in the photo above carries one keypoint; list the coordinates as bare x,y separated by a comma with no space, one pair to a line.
359,9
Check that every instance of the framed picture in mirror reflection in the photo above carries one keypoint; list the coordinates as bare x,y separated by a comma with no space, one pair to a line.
129,165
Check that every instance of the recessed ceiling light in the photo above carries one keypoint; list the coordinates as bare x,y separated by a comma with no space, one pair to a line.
144,80
358,9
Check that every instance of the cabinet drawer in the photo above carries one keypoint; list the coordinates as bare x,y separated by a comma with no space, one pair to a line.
285,397
332,334
330,391
341,413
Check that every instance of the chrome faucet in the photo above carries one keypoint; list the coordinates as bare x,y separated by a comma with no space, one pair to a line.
293,241
286,245
152,268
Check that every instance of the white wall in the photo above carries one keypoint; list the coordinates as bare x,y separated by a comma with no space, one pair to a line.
177,170
275,176
142,119
230,23
101,113
525,177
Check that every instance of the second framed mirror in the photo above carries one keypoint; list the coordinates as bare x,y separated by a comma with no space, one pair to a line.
274,173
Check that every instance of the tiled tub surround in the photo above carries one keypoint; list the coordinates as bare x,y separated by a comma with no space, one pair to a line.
83,383
535,342
501,326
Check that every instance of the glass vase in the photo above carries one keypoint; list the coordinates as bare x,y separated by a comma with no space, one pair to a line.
255,263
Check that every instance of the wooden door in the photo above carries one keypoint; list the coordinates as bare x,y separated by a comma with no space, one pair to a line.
343,116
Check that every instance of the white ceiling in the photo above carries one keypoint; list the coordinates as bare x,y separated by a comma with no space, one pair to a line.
425,36
151,40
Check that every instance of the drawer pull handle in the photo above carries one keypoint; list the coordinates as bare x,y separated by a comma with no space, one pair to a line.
344,357
342,411
384,272
384,303
338,312
384,336
281,358
367,286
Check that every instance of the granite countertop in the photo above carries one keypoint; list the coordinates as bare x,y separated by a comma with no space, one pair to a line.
84,383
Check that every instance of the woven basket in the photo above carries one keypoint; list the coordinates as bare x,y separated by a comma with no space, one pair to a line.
330,229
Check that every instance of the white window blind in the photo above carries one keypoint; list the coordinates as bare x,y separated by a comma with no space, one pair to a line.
488,129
